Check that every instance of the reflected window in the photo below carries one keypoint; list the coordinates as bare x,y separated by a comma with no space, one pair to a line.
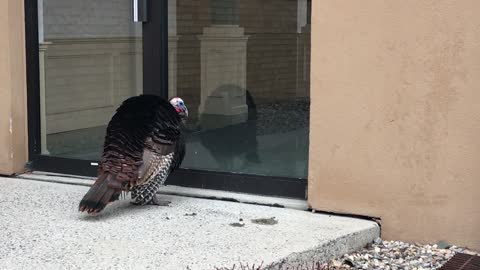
90,61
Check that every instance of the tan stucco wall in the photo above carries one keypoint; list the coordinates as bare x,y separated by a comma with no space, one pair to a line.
13,131
395,115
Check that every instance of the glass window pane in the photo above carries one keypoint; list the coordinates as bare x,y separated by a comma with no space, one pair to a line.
90,61
243,68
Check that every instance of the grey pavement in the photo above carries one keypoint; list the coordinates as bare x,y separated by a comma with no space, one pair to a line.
40,228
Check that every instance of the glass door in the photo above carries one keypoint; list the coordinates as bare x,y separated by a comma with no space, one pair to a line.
243,67
90,60
84,59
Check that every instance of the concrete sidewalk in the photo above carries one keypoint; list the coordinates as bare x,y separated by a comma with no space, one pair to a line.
40,228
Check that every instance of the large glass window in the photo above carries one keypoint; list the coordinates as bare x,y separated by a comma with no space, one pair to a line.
243,68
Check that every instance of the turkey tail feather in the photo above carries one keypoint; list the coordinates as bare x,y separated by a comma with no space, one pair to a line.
99,195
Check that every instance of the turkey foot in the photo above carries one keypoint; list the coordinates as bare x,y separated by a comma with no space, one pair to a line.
156,201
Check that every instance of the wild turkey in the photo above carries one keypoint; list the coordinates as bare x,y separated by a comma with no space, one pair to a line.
143,145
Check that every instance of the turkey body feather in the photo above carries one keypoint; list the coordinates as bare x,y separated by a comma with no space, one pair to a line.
143,145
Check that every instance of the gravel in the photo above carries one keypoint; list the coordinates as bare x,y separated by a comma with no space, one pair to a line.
380,255
272,117
280,117
397,255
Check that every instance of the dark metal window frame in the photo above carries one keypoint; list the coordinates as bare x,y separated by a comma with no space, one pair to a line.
155,79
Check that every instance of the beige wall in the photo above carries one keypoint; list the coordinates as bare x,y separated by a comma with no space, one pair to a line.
13,132
395,118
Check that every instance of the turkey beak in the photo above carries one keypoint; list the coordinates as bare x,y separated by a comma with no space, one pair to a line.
184,112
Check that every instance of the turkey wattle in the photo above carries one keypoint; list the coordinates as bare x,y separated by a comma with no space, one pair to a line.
143,145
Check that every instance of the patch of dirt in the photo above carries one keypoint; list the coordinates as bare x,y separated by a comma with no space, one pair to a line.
265,221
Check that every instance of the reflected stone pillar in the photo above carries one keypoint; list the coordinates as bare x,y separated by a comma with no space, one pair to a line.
223,75
43,115
223,53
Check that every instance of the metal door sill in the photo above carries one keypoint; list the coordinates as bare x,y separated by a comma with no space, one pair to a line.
178,191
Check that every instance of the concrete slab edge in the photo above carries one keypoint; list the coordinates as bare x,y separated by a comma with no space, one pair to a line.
328,250
179,191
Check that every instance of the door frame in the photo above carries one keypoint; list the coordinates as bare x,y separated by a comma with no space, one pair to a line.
155,81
